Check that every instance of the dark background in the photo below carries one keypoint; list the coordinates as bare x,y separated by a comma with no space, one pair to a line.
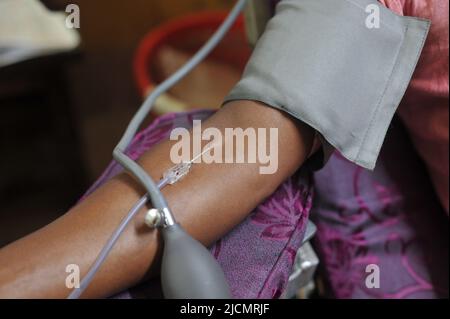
61,116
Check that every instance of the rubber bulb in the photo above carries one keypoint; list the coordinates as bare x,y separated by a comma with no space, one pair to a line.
188,269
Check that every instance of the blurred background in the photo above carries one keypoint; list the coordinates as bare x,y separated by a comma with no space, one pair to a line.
67,95
63,111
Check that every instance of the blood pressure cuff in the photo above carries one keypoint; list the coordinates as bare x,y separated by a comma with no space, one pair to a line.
331,65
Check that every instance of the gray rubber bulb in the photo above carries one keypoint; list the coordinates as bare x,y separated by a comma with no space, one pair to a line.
188,269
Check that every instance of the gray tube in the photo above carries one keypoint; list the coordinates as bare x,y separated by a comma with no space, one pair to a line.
118,154
211,267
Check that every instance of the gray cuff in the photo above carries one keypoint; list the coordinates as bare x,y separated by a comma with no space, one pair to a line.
319,62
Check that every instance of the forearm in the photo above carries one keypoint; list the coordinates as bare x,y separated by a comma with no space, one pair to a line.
209,202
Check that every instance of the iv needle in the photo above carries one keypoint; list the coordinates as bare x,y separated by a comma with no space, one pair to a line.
208,147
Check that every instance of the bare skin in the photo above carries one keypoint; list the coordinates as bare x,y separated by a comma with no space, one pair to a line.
208,203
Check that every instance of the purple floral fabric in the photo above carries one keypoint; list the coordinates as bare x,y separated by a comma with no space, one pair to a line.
389,217
257,256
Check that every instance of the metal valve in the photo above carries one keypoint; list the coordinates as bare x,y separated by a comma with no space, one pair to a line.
154,218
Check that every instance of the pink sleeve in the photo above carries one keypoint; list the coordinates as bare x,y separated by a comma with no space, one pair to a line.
394,5
425,109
